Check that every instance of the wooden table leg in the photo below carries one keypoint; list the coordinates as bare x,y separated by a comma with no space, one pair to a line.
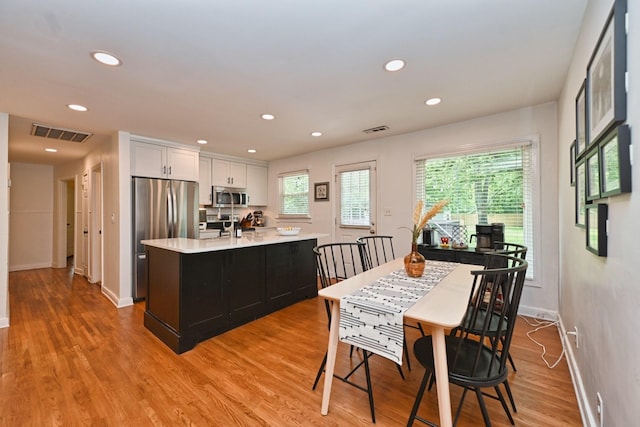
331,356
442,376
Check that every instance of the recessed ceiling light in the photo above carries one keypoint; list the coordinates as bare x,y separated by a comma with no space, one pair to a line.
76,107
51,150
268,116
316,133
106,58
202,141
394,65
433,101
251,150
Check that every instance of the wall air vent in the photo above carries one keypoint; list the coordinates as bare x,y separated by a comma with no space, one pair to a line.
59,133
376,129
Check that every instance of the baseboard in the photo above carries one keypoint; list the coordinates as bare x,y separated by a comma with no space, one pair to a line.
4,322
119,303
586,411
538,313
23,267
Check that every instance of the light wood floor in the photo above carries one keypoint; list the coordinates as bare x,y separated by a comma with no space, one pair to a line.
71,358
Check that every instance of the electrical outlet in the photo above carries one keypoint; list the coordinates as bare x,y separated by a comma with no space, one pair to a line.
575,334
386,211
600,409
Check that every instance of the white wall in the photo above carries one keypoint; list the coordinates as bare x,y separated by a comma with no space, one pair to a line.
4,220
115,286
395,156
31,216
600,295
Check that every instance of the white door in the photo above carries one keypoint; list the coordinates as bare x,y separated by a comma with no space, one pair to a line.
356,205
95,226
85,225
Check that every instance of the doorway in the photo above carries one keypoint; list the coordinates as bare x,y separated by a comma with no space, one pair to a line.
95,226
66,225
356,200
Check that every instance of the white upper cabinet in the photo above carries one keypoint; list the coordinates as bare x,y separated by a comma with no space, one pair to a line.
257,185
205,181
230,174
161,161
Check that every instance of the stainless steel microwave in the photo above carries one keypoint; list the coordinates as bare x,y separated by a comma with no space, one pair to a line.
228,197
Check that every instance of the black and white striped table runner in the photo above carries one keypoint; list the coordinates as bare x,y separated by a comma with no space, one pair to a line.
372,317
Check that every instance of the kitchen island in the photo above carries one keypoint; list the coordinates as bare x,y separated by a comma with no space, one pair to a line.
201,288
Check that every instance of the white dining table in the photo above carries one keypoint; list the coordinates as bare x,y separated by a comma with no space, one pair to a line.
441,308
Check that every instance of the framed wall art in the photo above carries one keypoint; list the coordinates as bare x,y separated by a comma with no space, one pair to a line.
581,119
581,196
615,162
593,175
321,191
572,163
607,94
597,229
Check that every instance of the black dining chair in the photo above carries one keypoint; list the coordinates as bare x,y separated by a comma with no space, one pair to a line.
475,360
379,250
337,262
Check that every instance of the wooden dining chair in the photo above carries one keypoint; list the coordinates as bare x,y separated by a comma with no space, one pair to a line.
475,361
337,262
379,250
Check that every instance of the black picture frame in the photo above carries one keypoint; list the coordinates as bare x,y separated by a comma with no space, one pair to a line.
592,170
596,235
572,163
321,191
582,128
615,162
580,193
606,87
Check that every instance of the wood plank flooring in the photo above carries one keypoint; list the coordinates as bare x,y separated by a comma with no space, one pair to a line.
71,358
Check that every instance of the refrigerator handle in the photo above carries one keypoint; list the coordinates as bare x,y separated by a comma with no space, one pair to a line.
170,212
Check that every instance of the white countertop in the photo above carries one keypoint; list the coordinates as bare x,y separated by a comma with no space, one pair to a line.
248,239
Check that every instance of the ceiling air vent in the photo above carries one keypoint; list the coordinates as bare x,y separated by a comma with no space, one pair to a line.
59,133
376,129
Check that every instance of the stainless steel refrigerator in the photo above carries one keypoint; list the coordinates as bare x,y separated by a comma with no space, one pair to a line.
162,208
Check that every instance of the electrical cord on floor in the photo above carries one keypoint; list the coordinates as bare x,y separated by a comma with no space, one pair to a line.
538,325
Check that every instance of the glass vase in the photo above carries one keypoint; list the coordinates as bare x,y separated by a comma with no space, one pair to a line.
414,262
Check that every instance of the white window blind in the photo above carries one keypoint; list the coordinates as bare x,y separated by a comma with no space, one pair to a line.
355,198
493,186
294,194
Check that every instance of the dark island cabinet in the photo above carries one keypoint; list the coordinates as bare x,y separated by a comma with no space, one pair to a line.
245,278
194,296
463,256
290,273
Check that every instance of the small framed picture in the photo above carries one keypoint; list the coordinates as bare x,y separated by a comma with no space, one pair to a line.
321,191
581,195
572,163
606,87
593,175
597,229
581,119
615,162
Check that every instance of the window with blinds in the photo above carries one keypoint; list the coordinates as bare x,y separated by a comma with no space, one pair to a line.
294,194
482,188
355,206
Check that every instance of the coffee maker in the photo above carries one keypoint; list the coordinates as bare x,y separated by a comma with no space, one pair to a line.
488,236
258,219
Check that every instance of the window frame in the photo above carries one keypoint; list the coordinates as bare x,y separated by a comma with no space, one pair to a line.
534,142
289,216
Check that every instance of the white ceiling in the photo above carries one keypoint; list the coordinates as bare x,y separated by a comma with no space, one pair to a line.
209,68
